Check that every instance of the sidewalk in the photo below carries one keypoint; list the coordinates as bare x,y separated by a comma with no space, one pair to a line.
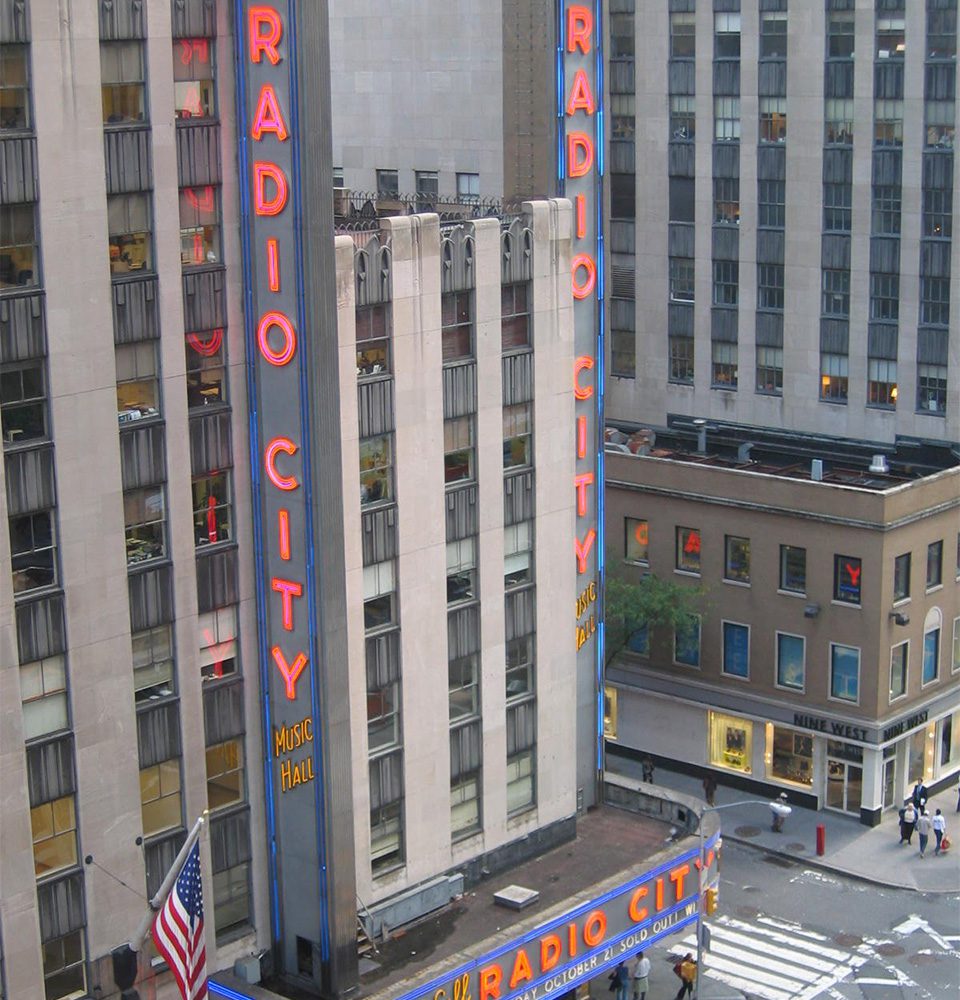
869,853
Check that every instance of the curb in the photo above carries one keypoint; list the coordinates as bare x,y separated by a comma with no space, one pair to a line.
836,869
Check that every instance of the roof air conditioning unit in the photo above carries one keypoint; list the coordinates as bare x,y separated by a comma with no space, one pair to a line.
879,464
341,201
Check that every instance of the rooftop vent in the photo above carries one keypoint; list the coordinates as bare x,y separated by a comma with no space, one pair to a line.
701,426
816,470
879,464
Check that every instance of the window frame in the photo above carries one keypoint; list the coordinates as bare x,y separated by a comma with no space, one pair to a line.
164,774
934,565
383,718
727,627
134,231
832,680
374,341
696,632
205,356
731,572
515,318
35,692
724,365
148,637
224,529
20,246
388,182
785,551
24,402
468,188
778,678
145,494
10,84
201,224
932,389
640,529
194,53
457,455
135,84
519,776
517,447
219,632
35,551
376,470
928,677
901,592
231,768
62,830
769,370
462,314
834,385
841,564
893,695
681,543
882,386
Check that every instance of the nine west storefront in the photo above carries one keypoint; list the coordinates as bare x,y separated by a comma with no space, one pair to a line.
821,761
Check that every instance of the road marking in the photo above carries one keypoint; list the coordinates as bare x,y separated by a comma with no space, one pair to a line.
917,923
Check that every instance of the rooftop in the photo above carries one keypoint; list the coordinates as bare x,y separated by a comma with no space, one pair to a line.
868,465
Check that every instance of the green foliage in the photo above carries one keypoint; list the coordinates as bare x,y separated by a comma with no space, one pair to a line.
652,601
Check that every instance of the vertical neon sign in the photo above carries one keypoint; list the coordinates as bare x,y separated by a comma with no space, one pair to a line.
580,173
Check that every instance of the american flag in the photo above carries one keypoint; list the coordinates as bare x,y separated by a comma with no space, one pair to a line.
178,930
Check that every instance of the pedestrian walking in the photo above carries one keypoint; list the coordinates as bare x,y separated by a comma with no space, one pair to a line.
686,969
641,977
646,768
709,789
924,826
620,981
939,829
919,794
908,822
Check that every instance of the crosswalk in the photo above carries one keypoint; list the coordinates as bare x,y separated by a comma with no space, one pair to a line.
772,959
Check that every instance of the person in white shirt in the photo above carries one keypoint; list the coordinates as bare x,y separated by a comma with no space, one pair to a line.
641,977
939,829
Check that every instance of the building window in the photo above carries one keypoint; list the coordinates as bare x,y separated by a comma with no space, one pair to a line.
54,836
463,675
791,755
521,782
23,402
231,897
457,325
941,34
122,82
514,317
212,508
517,555
887,122
887,202
773,119
462,570
682,204
881,383
138,388
736,650
840,34
517,435
791,661
835,286
427,184
465,806
899,661
225,774
838,121
683,36
194,93
623,196
793,569
901,577
736,562
623,353
773,35
834,377
379,595
771,204
383,717
388,183
940,129
688,550
218,643
847,579
934,301
64,967
199,226
376,470
520,668
33,551
934,564
726,282
681,359
844,672
931,656
686,642
14,87
386,836
19,260
153,675
681,279
726,118
638,641
726,200
636,544
955,666
731,742
459,451
837,210
726,38
128,220
160,797
938,212
724,371
770,287
623,116
144,518
373,340
468,188
891,38
206,353
43,693
683,117
932,388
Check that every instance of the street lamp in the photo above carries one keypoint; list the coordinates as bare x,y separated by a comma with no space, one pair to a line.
778,808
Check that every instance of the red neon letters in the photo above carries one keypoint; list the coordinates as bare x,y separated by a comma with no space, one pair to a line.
262,172
276,320
267,117
265,42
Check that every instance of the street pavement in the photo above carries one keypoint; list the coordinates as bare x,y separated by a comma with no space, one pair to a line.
870,853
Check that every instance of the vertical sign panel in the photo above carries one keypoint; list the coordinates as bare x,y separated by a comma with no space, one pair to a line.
580,171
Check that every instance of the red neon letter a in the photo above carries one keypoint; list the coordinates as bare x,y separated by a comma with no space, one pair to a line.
268,117
579,28
290,671
267,41
581,96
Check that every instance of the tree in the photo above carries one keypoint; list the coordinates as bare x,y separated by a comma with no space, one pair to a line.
651,602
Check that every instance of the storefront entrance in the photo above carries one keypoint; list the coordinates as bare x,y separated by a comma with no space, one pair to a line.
844,777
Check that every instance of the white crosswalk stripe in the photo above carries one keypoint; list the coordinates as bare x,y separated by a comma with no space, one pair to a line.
772,960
